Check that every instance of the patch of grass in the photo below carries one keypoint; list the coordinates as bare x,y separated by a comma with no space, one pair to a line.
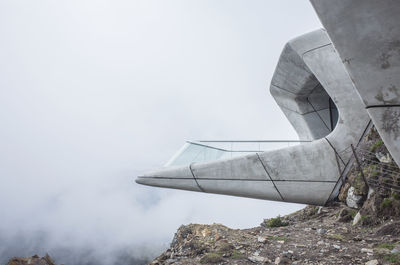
278,238
392,258
237,255
364,217
224,248
376,145
396,195
276,222
386,203
211,258
389,246
197,247
336,237
313,211
371,171
359,185
353,213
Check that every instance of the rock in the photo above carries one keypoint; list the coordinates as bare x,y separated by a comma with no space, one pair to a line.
282,260
336,246
357,218
353,200
370,192
256,259
383,158
343,192
261,239
372,262
321,231
367,250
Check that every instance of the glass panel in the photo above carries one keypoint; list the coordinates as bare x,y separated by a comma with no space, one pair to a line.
205,151
192,152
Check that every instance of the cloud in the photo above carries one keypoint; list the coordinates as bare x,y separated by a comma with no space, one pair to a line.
94,93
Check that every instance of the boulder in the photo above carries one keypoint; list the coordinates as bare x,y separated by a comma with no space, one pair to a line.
372,262
353,200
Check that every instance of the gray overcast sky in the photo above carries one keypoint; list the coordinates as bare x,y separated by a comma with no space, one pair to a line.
93,93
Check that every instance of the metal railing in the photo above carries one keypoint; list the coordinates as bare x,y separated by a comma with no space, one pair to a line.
378,170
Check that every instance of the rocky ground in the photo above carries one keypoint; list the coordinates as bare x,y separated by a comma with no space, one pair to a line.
314,235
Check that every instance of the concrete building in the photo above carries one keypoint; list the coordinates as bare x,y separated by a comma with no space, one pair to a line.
330,84
316,94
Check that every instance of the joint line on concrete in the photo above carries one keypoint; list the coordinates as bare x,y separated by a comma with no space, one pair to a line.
316,48
273,183
195,180
255,180
336,153
382,106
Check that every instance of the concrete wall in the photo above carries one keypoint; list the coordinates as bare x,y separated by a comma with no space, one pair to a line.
366,33
299,93
309,70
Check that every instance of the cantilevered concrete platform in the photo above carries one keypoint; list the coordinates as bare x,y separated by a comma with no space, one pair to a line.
314,90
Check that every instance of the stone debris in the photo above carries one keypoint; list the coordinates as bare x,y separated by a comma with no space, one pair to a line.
372,262
34,260
309,238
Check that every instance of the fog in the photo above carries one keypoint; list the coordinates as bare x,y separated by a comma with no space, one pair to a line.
94,93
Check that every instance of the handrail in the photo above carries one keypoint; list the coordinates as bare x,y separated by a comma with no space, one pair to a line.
199,143
254,141
208,146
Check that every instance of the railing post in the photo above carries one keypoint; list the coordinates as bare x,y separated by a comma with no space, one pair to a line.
359,165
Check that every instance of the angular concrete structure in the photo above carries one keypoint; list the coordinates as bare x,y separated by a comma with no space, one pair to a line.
314,90
366,34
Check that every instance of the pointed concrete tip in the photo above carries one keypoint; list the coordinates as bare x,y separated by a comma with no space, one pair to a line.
144,180
141,180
